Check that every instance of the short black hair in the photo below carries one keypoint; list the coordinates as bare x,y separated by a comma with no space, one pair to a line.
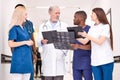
82,14
19,5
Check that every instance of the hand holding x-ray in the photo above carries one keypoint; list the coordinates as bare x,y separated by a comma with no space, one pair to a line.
82,33
44,41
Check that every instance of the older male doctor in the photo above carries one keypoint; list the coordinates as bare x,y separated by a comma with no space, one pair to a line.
53,60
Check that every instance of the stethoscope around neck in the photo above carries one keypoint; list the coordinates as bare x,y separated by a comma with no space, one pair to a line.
46,27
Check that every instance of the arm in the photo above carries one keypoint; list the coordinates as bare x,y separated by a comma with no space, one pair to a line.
101,37
83,40
79,46
98,41
12,43
85,47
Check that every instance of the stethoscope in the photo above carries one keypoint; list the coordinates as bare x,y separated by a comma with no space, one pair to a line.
45,26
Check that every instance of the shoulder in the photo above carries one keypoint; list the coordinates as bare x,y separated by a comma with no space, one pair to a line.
43,24
63,23
105,26
15,27
87,27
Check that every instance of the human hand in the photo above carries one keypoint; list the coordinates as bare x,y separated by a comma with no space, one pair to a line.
44,41
29,42
84,34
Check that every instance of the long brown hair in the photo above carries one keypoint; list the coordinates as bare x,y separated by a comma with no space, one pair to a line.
103,19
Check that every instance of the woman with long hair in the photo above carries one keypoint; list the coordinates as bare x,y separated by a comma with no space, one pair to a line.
19,40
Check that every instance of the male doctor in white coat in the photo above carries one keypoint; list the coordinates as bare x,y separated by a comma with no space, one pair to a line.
53,62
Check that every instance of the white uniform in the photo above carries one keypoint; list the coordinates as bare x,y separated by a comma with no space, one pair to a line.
101,54
53,63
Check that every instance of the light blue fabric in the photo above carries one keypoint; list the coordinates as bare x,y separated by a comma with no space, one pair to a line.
21,56
53,24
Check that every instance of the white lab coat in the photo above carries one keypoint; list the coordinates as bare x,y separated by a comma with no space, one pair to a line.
53,60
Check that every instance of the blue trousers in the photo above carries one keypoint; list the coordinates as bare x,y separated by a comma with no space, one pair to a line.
86,73
103,72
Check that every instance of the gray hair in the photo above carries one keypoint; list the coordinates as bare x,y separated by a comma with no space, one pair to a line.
52,8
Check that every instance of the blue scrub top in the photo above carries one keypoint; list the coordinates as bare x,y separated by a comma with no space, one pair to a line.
82,58
29,27
22,56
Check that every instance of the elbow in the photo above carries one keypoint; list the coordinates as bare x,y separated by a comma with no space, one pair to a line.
100,43
11,44
84,43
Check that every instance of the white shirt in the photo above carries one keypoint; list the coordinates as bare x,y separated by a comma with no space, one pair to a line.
101,54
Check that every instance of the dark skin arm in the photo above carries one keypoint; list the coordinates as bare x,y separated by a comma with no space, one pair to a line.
84,47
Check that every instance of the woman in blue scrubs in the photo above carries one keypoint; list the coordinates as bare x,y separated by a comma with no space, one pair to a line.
29,26
82,53
19,39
